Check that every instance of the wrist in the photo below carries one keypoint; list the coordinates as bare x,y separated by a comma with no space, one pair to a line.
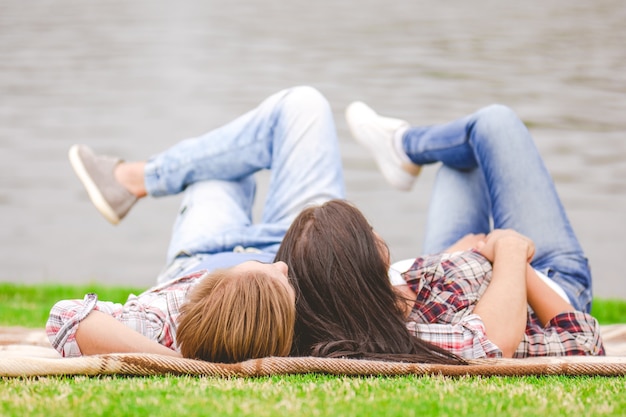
510,246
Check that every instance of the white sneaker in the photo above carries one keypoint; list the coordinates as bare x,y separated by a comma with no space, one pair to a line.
378,133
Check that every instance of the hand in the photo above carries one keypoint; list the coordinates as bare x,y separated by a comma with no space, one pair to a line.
505,239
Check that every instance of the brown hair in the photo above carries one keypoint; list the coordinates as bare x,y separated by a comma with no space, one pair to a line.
231,317
346,306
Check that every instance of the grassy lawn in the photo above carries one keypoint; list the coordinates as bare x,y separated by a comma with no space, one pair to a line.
296,395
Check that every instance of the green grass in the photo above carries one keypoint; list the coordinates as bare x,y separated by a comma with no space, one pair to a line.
296,395
29,305
314,395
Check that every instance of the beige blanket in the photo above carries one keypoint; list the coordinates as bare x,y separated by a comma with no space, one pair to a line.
26,352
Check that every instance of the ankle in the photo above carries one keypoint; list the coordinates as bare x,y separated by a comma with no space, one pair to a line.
131,176
398,144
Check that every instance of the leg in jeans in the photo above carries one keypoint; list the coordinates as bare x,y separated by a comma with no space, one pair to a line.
459,205
292,133
493,169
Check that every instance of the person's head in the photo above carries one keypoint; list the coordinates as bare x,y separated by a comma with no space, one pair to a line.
240,313
345,304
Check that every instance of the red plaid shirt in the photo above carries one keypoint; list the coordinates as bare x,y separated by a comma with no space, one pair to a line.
448,286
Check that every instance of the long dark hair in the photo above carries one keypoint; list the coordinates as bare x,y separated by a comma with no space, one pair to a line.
345,304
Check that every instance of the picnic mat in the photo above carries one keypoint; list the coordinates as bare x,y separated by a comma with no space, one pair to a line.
27,353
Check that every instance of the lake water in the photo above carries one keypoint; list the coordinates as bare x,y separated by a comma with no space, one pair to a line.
132,78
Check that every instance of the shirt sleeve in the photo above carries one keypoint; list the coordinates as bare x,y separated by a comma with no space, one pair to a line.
64,318
466,338
146,314
566,334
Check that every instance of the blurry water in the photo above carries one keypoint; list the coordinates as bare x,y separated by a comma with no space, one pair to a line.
131,78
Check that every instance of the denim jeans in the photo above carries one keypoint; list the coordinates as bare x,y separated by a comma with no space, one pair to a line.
492,176
292,134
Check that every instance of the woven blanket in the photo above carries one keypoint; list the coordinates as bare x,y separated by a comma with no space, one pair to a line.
26,353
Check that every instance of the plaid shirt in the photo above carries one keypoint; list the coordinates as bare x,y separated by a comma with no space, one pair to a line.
448,286
153,313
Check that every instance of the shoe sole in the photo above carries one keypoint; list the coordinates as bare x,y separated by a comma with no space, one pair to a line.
93,192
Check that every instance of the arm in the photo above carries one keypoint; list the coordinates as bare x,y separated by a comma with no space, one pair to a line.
562,330
467,242
544,301
101,330
503,306
101,333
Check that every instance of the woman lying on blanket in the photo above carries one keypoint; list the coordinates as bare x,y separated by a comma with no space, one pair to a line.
345,303
520,288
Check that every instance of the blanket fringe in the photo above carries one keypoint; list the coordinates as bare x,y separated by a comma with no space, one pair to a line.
146,365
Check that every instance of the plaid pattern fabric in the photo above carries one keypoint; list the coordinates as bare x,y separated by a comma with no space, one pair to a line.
448,286
465,338
154,313
567,334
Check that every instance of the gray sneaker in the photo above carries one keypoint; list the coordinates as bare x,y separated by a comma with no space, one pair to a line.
96,173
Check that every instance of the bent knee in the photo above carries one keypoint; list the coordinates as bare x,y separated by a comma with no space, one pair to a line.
307,97
497,121
497,112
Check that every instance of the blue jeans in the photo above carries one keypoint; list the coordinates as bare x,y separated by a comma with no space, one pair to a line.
493,175
292,134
